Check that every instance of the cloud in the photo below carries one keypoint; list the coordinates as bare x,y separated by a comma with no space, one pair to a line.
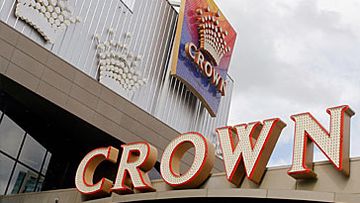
292,57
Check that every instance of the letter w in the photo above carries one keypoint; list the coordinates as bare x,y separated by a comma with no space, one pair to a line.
251,153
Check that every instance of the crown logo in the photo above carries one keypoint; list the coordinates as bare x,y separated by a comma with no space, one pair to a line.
118,63
48,17
211,35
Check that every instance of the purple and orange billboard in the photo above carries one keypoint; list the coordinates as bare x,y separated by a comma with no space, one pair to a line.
202,52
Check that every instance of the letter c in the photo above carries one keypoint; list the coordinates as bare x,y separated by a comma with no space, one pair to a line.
85,172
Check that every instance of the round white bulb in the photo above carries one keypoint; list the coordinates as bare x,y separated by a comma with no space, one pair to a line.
57,10
54,15
66,14
67,22
124,75
45,2
78,19
72,19
53,2
57,22
61,4
51,20
43,9
70,8
61,18
38,6
112,61
50,8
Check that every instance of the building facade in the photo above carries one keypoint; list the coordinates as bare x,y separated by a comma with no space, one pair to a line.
77,75
60,88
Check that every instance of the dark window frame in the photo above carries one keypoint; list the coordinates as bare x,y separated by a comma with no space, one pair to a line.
18,162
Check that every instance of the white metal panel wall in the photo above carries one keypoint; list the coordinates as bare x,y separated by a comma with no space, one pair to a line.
129,3
152,24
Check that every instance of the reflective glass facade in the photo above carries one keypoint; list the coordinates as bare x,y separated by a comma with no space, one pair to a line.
23,161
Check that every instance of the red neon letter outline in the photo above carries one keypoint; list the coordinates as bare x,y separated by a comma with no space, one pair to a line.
136,160
85,172
201,167
334,145
253,150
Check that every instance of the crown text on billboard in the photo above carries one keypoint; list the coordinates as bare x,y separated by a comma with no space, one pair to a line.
205,67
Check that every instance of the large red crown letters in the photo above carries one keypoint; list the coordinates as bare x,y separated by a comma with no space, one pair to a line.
246,151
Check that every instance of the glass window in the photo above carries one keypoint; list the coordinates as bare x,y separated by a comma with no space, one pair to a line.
6,166
32,154
46,164
11,136
24,180
40,184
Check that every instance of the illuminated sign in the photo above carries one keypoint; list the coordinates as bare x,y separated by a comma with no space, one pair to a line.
246,151
202,51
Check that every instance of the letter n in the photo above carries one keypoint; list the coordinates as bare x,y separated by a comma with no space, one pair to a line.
334,144
255,143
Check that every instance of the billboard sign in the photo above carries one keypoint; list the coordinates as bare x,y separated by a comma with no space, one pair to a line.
202,51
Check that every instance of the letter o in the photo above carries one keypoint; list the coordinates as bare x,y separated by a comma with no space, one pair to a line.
201,167
208,69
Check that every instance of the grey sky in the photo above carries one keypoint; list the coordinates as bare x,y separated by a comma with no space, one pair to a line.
292,57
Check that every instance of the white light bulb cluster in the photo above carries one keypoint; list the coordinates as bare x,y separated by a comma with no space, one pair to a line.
212,35
48,17
118,63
